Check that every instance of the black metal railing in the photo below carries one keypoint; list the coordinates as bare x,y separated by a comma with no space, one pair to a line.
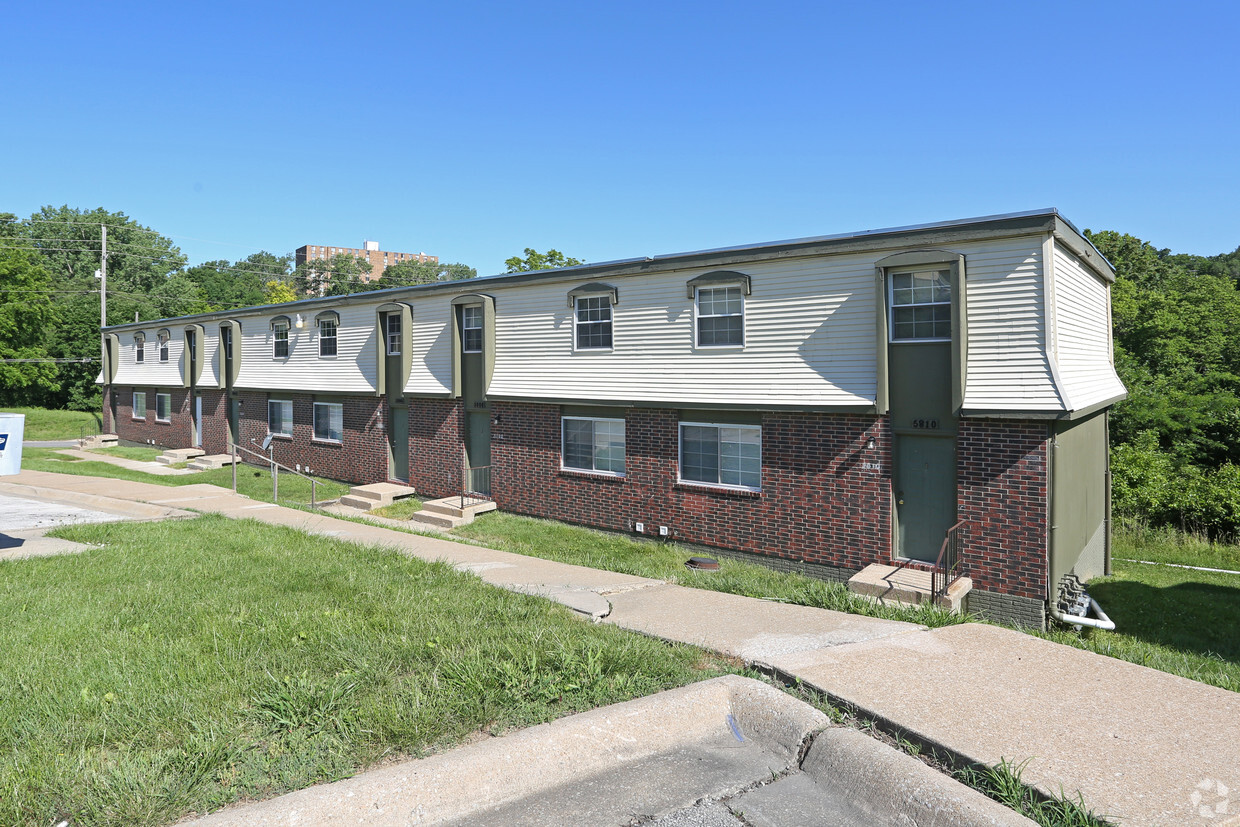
475,485
947,568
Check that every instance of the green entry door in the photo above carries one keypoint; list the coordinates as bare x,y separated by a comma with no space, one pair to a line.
398,444
925,494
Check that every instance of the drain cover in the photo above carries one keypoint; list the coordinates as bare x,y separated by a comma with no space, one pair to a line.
703,563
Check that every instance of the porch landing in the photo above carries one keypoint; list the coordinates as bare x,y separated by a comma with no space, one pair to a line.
907,586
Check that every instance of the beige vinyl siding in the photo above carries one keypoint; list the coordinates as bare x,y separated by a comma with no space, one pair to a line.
1007,368
1082,334
430,342
809,340
208,352
352,370
151,372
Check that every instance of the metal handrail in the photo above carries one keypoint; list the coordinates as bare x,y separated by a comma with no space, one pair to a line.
947,568
275,474
475,484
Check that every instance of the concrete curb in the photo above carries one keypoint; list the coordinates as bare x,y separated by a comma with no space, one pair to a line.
897,788
128,508
655,754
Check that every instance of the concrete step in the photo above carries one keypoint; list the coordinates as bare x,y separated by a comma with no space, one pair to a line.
100,441
211,462
432,519
379,494
360,503
451,506
906,586
176,455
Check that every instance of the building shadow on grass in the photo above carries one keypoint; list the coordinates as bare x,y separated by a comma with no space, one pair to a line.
1192,617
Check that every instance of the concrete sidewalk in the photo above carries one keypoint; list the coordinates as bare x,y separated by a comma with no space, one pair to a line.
1141,746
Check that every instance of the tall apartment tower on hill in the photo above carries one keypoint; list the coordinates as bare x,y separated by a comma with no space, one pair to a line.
379,259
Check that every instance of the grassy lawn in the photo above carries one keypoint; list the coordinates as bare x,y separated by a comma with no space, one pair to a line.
187,664
135,453
666,561
251,481
399,510
42,424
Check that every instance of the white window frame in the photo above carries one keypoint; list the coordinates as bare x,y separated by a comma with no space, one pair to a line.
593,469
286,417
134,407
276,340
578,323
163,338
892,306
474,312
326,407
393,336
698,315
139,348
717,483
334,338
168,398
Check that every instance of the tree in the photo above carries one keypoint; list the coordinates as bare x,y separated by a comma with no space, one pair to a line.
535,260
338,276
409,273
226,285
26,310
277,292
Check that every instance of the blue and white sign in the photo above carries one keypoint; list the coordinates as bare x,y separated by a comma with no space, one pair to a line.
12,426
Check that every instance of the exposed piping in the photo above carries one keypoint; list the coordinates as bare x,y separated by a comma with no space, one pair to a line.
1100,622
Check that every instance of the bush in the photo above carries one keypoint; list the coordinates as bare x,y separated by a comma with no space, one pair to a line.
1148,485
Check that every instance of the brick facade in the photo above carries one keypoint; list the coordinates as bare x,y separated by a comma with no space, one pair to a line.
825,498
177,432
436,452
1001,468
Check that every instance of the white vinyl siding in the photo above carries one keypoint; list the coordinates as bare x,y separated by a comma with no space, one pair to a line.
150,372
354,370
139,404
430,345
1083,334
163,407
729,456
589,444
209,348
1008,367
328,421
280,417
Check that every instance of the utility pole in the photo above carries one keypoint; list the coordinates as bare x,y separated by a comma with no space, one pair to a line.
103,296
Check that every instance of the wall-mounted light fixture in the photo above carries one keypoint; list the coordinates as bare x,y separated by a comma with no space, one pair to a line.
869,444
495,419
300,323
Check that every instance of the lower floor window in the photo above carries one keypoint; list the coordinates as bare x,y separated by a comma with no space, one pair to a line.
593,444
329,421
280,417
728,455
139,404
163,407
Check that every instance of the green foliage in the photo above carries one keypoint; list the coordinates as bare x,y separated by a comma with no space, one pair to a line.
535,260
278,292
226,285
26,310
409,273
42,424
1005,783
340,275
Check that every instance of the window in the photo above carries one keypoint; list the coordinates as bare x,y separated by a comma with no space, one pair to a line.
191,344
727,455
720,316
471,328
593,444
279,339
921,306
163,407
328,421
593,322
139,347
139,405
327,336
393,334
280,417
163,345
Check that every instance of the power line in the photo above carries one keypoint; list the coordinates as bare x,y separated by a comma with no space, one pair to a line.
69,361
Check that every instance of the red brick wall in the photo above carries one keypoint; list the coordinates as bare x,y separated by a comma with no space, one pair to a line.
818,503
360,457
214,421
178,432
1002,492
436,450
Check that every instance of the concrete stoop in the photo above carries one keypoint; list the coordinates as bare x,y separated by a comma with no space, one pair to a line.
178,455
211,461
375,495
447,513
99,441
906,586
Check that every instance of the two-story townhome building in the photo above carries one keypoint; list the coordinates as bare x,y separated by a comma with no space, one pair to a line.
820,404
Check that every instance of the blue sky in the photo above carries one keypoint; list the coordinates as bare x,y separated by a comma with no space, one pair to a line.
472,130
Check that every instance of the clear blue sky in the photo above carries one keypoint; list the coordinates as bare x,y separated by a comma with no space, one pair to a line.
473,130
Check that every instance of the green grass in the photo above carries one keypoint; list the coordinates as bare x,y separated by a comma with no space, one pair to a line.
1166,545
44,424
188,664
137,453
399,510
251,481
1004,784
666,561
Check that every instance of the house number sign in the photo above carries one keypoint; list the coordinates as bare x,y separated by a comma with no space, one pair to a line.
926,424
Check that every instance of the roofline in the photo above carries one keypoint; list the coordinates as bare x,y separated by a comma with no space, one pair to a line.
1016,223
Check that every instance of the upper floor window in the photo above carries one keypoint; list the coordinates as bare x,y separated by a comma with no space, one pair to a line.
724,455
720,316
593,322
471,328
392,326
163,337
328,324
279,338
921,306
191,344
139,347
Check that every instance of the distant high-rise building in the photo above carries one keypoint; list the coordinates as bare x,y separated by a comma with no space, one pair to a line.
379,260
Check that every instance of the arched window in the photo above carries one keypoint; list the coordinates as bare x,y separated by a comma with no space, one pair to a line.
328,323
279,337
163,336
139,347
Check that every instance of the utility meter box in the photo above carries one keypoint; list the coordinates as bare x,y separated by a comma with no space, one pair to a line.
11,428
